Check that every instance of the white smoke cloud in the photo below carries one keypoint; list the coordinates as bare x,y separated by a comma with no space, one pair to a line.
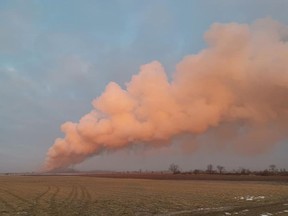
239,82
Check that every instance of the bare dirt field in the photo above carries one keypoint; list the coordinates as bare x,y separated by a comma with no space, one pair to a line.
84,195
183,176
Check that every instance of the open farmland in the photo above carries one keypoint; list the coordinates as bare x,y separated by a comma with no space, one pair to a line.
83,195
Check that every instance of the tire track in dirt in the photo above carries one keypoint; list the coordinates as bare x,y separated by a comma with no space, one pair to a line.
16,196
75,195
10,208
273,208
40,196
52,208
71,195
87,194
77,201
36,207
67,205
85,200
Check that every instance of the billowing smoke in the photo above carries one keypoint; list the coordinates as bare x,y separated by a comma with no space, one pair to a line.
235,91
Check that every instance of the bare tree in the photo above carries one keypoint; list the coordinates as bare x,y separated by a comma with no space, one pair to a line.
174,168
272,168
243,171
209,168
220,169
283,171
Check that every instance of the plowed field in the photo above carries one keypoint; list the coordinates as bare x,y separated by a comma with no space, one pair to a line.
80,195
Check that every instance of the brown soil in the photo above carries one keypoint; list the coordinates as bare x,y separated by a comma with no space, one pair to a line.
167,176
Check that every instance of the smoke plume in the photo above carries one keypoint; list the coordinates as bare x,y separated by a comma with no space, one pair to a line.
235,91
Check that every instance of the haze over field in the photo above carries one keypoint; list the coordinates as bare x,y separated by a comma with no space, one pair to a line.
212,85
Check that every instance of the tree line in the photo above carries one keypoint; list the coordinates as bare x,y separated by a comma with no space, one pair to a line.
219,169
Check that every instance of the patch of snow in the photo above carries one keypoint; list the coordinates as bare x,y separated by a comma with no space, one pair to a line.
250,198
266,214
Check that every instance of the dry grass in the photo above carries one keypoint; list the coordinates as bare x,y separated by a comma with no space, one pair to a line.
79,195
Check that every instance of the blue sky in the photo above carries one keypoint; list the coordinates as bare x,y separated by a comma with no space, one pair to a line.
57,56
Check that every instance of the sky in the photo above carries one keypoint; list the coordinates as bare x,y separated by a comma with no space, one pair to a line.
56,57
